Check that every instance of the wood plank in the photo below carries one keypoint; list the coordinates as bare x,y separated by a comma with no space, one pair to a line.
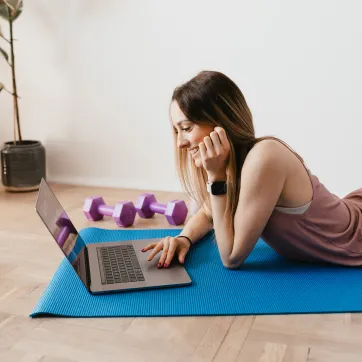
29,259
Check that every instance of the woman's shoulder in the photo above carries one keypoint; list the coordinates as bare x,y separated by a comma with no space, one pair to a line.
266,157
274,155
274,159
270,150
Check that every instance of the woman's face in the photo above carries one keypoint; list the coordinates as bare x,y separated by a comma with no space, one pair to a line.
189,134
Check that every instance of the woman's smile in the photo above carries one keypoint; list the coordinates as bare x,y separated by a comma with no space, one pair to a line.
194,151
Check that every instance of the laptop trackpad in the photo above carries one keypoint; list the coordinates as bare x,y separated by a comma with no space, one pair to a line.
175,273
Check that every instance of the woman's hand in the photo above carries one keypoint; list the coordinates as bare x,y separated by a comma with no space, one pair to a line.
169,246
214,153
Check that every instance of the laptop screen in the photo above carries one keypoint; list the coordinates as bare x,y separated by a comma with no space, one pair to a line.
62,229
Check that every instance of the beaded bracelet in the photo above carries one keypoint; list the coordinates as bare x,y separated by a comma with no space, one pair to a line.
183,236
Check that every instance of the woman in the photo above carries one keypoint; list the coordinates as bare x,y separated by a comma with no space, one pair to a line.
251,187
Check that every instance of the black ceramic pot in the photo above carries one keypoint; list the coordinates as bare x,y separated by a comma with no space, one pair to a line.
22,165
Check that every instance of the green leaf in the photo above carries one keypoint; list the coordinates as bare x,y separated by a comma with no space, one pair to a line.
15,7
5,54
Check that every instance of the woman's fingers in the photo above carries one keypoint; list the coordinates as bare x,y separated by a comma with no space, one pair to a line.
149,246
171,253
223,138
222,135
163,257
209,146
216,142
202,149
181,255
169,246
155,250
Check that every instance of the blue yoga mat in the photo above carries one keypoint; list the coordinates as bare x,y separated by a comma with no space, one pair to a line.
266,284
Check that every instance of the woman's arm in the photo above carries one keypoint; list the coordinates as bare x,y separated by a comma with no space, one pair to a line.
262,180
197,226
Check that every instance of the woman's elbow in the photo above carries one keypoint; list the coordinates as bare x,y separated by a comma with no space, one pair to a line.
234,261
233,264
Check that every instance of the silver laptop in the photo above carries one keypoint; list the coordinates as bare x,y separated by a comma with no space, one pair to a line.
105,267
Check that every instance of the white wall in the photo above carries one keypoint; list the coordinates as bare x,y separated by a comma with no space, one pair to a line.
96,78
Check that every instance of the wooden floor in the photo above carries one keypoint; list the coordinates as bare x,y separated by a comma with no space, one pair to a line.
28,260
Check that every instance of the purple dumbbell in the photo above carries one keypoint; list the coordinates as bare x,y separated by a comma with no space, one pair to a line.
175,211
66,228
123,213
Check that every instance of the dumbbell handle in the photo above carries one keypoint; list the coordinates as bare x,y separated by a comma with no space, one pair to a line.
157,207
106,210
63,235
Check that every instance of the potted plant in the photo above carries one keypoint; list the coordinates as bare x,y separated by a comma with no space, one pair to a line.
22,161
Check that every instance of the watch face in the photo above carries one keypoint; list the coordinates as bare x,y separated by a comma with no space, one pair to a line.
218,188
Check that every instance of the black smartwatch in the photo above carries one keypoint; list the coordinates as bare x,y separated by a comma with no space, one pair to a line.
216,187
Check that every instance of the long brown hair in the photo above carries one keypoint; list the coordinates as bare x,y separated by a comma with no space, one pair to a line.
212,98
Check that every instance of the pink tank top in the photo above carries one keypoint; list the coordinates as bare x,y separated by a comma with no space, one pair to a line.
330,230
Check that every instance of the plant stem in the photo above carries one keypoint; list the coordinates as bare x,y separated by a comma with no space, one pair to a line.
15,93
7,40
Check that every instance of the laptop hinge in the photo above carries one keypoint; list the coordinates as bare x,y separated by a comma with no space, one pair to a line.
87,270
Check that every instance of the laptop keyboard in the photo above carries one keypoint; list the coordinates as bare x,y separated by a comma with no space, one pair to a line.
119,264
